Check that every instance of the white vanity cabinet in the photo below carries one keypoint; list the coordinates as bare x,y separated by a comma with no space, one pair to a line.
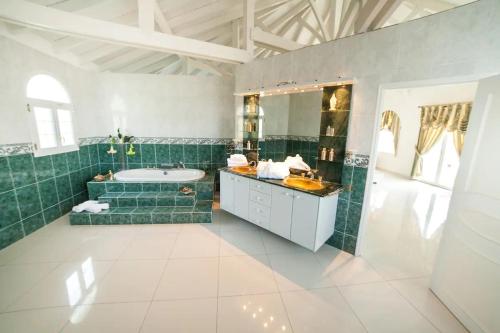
236,193
303,218
281,211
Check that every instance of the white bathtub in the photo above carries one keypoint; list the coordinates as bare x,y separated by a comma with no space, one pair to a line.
159,175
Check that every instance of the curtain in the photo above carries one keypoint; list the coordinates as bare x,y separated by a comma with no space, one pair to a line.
434,121
390,121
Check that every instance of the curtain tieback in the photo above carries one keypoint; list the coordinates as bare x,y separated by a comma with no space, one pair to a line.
419,154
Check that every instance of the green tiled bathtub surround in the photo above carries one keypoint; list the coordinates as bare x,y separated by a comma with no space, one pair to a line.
35,191
200,213
198,156
349,208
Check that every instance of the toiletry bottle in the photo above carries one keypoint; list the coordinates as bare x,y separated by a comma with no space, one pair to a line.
328,131
332,131
111,176
323,154
249,145
331,154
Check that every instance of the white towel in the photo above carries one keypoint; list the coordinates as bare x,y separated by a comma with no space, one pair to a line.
237,160
273,170
91,206
296,162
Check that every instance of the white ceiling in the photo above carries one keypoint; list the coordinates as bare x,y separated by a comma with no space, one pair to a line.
295,23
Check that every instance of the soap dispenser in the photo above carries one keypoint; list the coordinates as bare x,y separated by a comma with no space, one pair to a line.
323,154
331,155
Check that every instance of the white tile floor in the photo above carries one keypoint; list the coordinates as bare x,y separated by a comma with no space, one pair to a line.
229,276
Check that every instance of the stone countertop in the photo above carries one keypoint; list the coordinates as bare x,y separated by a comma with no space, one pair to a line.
330,189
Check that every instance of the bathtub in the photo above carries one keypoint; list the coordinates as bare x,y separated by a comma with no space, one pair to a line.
159,175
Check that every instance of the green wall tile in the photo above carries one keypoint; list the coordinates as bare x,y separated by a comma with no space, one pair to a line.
202,217
84,157
79,219
66,205
182,217
9,214
10,234
341,217
77,185
353,219
6,183
51,214
73,159
162,153
337,240
190,154
29,200
159,218
104,157
141,218
60,164
33,223
349,244
148,154
48,193
114,187
133,187
43,168
93,154
102,218
151,187
121,219
63,184
96,189
204,153
22,169
176,153
358,184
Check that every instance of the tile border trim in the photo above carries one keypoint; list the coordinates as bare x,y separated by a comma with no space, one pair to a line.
356,160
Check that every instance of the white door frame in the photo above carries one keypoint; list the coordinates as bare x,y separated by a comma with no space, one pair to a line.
360,250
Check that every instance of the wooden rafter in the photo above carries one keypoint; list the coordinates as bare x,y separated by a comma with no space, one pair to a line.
43,18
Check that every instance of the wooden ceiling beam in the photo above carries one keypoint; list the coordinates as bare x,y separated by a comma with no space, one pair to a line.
43,18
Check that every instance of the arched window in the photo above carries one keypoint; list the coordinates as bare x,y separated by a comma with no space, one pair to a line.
51,107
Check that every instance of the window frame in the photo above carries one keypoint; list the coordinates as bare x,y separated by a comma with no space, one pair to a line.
53,106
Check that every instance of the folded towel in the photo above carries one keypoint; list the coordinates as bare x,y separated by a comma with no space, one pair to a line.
272,170
296,162
237,160
238,157
91,206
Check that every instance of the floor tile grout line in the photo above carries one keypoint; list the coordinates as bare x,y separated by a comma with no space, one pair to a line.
279,293
352,309
413,306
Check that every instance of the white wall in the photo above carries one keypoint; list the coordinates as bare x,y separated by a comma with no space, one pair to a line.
459,44
405,103
170,106
18,64
142,105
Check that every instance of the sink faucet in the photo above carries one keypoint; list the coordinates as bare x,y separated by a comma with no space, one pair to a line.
181,165
312,173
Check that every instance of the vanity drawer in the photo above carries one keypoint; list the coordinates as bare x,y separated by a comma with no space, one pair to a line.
259,215
260,198
260,187
259,210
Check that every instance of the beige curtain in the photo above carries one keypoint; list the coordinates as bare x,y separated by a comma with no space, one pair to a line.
390,121
434,121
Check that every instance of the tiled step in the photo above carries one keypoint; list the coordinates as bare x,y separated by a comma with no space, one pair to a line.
148,199
199,213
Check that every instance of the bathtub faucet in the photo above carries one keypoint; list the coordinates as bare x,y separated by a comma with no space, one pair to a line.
181,165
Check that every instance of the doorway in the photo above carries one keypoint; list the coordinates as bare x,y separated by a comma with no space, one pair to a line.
407,211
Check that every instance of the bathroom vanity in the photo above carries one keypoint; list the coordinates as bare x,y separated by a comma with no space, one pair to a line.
302,216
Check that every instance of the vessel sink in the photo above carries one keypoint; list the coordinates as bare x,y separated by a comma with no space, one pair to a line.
304,183
244,170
